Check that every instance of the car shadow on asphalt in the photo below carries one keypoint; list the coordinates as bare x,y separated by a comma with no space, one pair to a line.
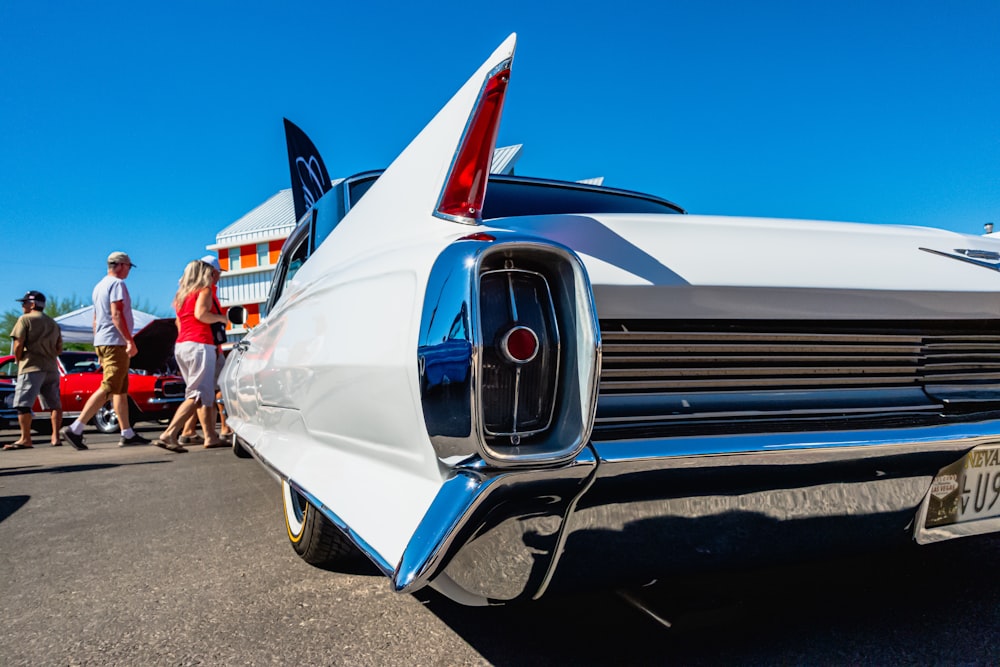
83,467
721,618
11,504
355,564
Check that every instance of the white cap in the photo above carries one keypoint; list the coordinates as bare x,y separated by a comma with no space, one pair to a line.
212,261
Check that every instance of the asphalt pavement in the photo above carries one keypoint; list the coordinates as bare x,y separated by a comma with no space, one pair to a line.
138,556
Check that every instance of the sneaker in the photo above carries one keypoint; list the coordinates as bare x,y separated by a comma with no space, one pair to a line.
72,438
136,439
191,440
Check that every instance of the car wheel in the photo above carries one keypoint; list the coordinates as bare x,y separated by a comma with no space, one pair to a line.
106,420
313,537
41,426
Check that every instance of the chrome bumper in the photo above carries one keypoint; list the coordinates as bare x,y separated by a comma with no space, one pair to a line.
626,512
165,400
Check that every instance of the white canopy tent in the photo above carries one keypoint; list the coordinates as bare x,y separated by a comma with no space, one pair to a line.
78,325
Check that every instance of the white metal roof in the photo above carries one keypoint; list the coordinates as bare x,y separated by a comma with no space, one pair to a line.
275,218
504,159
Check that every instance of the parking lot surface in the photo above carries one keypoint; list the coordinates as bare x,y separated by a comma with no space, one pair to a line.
137,556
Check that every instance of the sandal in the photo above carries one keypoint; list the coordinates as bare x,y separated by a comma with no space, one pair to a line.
18,445
216,443
170,444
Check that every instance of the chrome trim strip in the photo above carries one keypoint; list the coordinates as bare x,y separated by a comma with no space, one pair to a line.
167,400
679,449
361,544
981,260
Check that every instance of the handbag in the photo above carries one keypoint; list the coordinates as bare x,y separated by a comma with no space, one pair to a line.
218,332
218,328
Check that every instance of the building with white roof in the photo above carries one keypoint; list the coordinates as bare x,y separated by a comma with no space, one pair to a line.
248,249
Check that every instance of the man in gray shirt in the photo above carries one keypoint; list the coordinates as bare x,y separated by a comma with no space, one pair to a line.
115,347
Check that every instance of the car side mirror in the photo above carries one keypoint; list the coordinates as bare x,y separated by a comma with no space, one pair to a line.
237,314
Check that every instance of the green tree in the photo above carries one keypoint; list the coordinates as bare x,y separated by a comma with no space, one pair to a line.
54,307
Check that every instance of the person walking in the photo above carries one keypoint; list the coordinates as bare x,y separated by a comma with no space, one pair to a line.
37,343
196,353
189,434
115,347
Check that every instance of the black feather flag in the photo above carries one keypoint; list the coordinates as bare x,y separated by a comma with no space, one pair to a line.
310,179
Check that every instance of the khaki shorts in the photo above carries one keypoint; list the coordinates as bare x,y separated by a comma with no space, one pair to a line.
114,361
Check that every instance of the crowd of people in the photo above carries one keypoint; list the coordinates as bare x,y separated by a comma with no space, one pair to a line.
37,343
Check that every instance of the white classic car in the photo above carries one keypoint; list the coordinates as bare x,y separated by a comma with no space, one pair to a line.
500,386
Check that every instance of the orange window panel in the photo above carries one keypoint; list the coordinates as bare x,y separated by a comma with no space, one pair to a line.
224,258
273,251
248,256
253,315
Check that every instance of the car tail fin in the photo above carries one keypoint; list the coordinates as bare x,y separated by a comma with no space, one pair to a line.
310,179
441,174
465,185
443,171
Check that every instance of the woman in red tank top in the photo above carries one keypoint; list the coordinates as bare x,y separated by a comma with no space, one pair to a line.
196,353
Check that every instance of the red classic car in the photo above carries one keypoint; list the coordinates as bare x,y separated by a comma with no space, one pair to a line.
154,391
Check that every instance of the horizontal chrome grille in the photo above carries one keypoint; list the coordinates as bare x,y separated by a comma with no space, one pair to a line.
663,373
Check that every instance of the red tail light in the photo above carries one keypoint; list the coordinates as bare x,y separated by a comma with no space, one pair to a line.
520,345
465,188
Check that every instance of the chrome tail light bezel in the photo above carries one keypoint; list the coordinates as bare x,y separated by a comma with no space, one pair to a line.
450,353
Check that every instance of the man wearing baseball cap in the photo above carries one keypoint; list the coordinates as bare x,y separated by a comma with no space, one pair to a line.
37,343
115,347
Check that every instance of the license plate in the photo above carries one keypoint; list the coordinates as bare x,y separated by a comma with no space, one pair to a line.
968,490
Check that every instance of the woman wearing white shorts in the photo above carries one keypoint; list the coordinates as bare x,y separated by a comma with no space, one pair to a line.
196,353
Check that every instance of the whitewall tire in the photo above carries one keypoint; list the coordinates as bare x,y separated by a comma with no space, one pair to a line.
312,535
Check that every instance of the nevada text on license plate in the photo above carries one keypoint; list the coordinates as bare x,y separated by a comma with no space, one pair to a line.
967,490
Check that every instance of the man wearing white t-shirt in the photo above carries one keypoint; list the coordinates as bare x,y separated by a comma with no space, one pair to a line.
115,347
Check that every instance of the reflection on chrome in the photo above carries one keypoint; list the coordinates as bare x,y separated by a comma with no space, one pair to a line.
450,352
644,510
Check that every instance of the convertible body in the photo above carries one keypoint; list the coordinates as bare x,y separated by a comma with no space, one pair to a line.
501,386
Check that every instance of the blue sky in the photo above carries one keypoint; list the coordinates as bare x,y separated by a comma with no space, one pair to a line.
150,126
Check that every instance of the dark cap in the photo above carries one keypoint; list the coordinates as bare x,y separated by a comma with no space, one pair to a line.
32,295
